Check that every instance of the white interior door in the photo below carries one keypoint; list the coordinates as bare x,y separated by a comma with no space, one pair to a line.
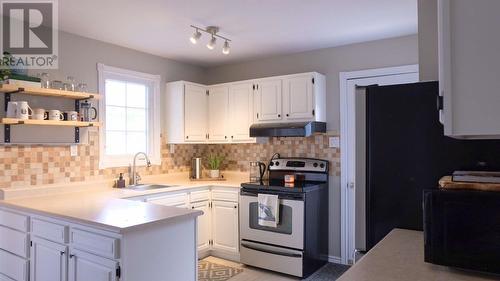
217,106
298,100
269,104
240,111
353,141
195,113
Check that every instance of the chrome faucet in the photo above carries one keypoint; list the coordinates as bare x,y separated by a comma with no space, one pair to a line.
134,177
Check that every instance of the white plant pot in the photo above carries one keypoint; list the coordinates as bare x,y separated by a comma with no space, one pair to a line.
214,174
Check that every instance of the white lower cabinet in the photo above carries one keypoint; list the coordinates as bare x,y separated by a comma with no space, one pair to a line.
85,267
48,260
225,226
204,225
173,200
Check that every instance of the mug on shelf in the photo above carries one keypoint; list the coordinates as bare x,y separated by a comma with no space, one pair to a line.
23,110
55,115
70,116
39,114
11,109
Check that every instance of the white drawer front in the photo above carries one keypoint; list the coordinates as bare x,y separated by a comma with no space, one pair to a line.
13,267
225,195
197,196
95,243
170,200
14,241
13,220
49,230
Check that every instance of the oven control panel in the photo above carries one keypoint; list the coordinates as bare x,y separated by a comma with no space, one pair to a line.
299,164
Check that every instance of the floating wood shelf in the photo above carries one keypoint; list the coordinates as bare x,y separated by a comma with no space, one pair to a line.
14,121
34,91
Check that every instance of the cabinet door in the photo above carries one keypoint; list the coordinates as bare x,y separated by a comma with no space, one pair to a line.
217,107
225,226
84,267
204,229
268,100
48,261
298,99
195,113
240,111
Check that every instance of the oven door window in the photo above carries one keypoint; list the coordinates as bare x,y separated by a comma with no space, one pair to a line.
285,221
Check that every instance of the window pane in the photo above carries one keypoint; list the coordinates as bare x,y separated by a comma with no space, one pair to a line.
136,119
115,93
115,118
136,142
115,143
136,95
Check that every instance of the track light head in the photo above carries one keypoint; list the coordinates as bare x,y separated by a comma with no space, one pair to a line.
226,48
195,37
211,43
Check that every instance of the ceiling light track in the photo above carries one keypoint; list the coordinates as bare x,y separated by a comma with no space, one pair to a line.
212,30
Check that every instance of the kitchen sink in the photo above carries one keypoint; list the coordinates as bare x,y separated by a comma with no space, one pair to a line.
142,187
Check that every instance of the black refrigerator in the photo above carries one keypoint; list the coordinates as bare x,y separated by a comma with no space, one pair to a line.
407,152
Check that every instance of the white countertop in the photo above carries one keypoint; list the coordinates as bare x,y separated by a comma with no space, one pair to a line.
400,257
103,206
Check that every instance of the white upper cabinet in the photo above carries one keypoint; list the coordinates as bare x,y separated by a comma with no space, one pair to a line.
469,76
218,99
240,111
298,97
268,100
223,113
195,113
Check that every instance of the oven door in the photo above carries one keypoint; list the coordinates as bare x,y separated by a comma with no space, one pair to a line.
289,232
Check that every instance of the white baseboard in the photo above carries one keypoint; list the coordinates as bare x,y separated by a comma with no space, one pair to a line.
333,259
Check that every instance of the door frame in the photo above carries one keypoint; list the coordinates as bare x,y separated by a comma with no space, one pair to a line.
347,107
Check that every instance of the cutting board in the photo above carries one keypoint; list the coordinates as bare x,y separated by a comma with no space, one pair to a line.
447,183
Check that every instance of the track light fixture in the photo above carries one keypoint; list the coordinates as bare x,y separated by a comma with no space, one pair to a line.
212,30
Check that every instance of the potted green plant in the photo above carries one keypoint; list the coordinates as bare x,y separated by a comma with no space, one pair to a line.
214,163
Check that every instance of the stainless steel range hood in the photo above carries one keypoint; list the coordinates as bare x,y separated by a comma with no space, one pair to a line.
299,129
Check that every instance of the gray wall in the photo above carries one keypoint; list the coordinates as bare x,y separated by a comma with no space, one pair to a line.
78,57
331,61
428,40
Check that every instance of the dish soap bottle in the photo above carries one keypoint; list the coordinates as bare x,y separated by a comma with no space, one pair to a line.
120,183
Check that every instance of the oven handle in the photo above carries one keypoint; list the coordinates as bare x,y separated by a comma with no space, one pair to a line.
271,251
280,196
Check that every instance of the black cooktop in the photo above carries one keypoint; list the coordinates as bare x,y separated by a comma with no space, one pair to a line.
280,186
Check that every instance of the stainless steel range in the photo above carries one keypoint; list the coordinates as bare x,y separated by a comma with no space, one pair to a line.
298,245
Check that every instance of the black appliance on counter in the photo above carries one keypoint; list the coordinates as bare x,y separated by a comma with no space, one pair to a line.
299,244
407,153
462,229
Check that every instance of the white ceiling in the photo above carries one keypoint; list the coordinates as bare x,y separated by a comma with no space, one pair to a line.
258,28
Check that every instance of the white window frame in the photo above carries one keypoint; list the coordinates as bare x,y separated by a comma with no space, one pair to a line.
154,138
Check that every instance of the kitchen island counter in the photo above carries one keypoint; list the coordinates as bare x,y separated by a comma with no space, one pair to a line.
400,257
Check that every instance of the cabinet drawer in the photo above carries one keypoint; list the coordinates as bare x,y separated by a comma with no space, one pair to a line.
14,220
225,195
14,241
197,196
13,267
49,230
170,200
95,243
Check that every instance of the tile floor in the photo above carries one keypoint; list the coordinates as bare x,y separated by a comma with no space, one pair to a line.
252,273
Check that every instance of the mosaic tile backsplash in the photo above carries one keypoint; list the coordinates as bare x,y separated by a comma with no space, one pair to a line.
30,165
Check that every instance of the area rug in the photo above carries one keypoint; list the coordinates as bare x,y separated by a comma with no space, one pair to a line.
208,271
